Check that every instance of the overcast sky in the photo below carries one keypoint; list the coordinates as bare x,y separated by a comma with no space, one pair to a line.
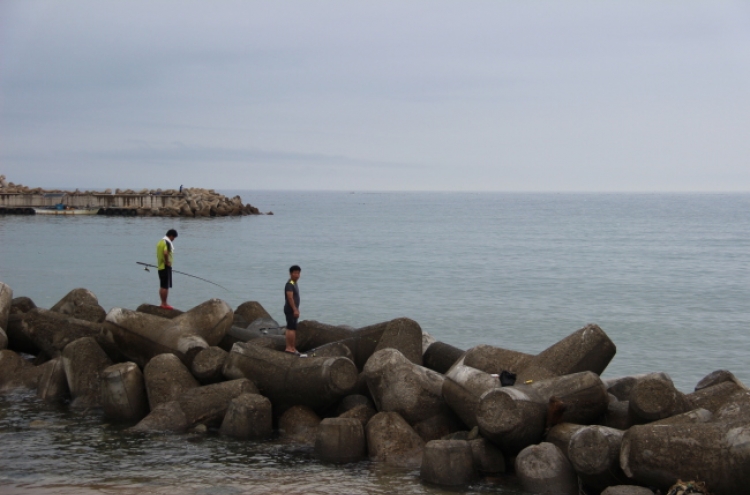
377,95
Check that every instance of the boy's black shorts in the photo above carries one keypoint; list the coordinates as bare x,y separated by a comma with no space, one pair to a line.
165,278
291,321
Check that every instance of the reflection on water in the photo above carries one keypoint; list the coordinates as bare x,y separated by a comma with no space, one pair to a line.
47,449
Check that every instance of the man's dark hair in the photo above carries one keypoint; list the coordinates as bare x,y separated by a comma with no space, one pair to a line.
172,232
294,268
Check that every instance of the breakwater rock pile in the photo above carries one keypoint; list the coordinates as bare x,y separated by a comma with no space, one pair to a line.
387,392
183,202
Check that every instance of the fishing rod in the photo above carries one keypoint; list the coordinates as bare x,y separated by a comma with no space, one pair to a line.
183,273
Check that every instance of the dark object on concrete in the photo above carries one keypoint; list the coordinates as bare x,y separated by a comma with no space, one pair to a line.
84,361
440,356
249,417
299,424
81,304
124,392
447,463
289,380
208,364
544,470
166,379
717,454
390,439
340,440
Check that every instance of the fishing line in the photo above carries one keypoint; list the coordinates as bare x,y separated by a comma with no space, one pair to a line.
182,273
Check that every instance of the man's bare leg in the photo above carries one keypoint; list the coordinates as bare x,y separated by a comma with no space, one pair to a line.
291,337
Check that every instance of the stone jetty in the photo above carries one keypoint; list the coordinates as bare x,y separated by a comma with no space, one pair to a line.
182,202
385,393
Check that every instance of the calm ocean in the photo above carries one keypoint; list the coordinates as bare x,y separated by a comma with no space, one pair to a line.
667,276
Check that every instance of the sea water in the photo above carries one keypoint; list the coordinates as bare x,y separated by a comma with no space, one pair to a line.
667,276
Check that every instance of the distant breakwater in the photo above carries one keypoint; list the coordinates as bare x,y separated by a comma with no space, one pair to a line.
185,202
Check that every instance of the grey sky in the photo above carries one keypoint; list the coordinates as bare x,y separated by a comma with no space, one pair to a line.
418,95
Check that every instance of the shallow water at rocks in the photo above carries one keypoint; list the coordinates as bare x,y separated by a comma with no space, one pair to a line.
667,276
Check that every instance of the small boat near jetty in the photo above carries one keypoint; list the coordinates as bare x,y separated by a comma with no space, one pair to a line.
60,209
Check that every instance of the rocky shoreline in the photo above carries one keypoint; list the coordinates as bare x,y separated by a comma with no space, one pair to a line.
183,202
388,392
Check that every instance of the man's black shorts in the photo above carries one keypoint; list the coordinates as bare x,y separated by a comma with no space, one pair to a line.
165,278
291,321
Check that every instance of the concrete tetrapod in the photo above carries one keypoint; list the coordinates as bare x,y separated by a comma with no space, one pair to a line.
587,349
81,304
544,470
560,435
447,463
166,379
515,417
462,389
340,440
714,396
311,334
141,336
208,365
621,386
289,380
653,399
249,417
84,361
362,342
398,385
392,440
404,335
124,393
594,452
717,377
440,356
3,340
51,331
717,454
53,384
299,424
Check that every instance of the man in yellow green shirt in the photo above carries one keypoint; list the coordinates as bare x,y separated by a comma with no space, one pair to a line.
164,258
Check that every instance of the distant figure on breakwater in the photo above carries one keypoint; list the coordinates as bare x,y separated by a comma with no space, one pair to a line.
180,188
164,259
291,310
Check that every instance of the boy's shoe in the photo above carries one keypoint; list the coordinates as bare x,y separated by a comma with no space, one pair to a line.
166,306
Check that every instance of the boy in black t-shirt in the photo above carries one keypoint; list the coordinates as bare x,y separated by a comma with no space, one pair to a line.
291,309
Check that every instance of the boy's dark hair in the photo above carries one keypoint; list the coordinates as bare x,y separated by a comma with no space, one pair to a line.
172,232
294,268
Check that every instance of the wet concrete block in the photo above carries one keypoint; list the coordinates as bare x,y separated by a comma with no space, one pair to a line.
544,470
124,392
3,340
12,369
660,455
440,356
404,335
209,404
390,439
249,417
208,365
84,361
448,463
299,424
166,378
81,304
290,380
340,440
53,383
